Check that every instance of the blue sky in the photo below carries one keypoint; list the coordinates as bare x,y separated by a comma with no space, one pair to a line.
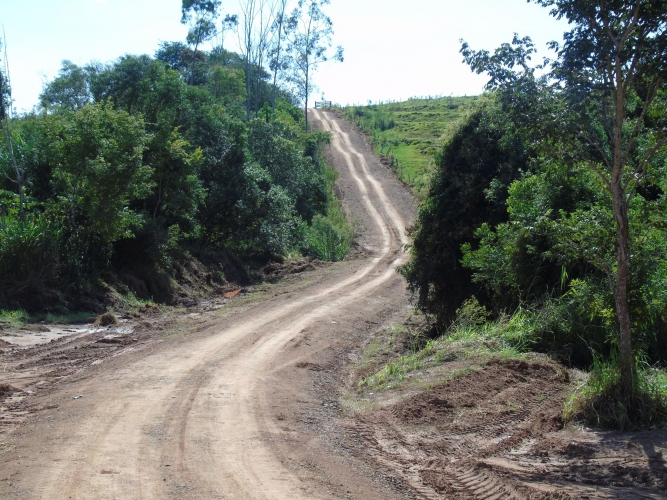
394,49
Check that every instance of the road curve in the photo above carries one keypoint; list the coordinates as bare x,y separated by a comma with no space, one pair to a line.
187,422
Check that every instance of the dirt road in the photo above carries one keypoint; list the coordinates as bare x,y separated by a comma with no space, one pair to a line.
207,415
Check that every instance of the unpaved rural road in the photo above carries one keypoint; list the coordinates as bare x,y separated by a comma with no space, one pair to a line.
203,416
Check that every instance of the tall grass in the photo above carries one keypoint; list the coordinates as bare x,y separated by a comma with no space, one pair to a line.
600,400
326,240
471,337
329,237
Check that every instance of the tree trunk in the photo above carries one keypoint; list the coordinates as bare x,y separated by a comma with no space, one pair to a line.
247,87
621,293
620,203
305,105
192,66
275,71
257,82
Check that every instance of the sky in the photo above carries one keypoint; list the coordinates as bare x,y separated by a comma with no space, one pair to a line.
394,49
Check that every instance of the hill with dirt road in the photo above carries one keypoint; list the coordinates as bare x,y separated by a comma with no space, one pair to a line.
270,393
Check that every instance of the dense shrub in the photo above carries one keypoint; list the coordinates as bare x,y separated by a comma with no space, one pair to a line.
477,164
29,258
133,163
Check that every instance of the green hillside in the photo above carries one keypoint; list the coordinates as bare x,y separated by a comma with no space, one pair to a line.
409,132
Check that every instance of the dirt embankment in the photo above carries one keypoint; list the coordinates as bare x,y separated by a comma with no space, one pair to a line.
497,433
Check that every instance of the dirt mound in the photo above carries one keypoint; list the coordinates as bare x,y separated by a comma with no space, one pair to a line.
497,432
498,389
275,271
107,319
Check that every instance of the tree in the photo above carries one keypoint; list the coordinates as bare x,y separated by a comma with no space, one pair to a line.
70,89
481,157
613,65
230,22
97,170
201,13
12,156
247,43
610,75
5,90
277,57
266,17
310,40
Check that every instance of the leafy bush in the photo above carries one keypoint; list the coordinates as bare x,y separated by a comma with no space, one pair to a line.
29,256
477,164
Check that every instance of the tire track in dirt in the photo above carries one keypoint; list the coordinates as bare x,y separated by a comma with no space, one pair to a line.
187,422
496,434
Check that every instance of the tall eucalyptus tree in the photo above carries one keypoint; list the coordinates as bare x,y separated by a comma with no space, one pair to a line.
310,32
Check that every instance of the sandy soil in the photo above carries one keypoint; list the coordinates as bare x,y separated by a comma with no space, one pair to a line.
248,397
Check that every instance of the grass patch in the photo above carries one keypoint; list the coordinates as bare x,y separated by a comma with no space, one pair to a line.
130,300
19,317
410,132
329,237
470,338
600,401
14,317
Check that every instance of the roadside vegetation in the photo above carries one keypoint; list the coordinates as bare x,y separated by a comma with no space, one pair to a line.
545,213
150,177
409,133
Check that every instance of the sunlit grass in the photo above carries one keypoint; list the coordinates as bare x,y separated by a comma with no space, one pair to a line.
13,317
19,317
474,341
410,132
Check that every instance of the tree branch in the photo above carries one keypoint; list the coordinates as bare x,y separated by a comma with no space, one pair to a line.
600,173
597,147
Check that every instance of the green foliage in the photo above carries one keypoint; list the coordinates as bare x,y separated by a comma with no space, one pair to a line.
558,243
133,161
95,155
600,400
227,85
275,147
29,257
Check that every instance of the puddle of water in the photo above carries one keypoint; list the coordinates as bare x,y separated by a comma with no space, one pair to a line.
24,338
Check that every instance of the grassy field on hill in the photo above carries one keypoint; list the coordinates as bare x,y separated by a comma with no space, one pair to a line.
409,132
